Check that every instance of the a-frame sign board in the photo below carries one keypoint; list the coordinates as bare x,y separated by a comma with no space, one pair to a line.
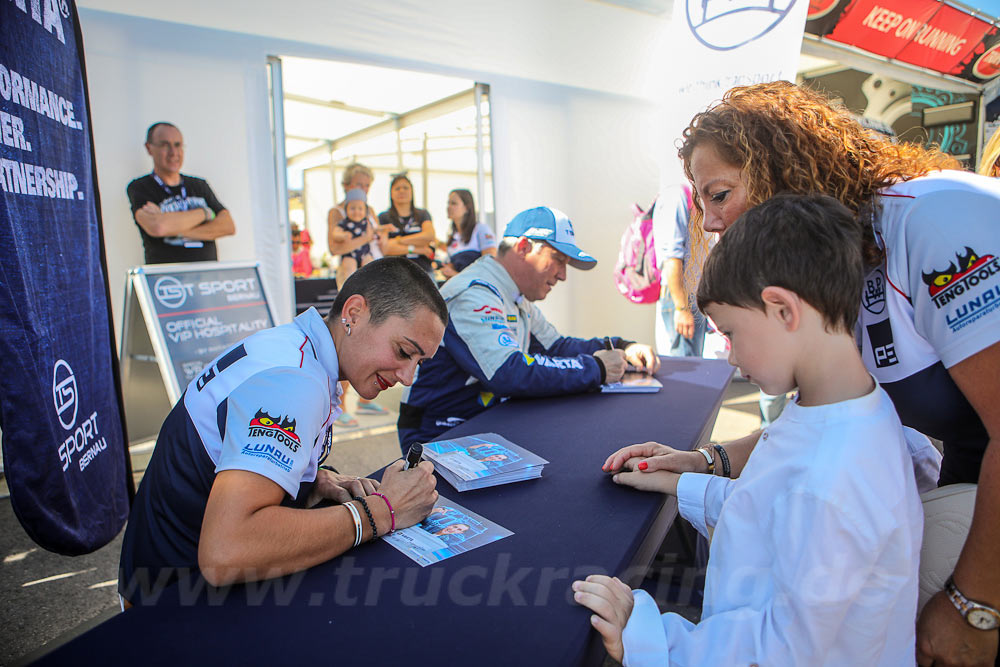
178,318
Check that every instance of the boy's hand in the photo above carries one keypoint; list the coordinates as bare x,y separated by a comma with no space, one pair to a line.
656,457
611,601
661,481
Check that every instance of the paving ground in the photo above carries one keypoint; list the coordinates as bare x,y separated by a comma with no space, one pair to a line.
47,598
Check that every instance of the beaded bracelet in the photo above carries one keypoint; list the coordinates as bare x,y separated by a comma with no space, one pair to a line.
371,519
726,470
357,523
392,512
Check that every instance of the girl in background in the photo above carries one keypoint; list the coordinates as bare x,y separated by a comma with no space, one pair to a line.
469,239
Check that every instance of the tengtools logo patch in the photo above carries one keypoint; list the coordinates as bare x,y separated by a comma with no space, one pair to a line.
281,429
970,270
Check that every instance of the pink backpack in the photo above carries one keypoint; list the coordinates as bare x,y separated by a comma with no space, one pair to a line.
637,273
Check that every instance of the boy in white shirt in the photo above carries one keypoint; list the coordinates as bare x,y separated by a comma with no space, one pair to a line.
816,545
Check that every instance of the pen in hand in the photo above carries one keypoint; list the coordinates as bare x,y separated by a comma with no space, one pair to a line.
413,456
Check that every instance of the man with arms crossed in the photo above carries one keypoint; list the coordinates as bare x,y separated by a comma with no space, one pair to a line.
178,216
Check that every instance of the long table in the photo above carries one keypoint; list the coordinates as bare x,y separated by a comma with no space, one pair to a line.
501,604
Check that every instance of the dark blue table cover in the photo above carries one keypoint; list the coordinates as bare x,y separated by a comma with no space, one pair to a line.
501,604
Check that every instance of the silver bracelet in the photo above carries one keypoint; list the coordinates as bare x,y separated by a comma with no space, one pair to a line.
709,459
357,522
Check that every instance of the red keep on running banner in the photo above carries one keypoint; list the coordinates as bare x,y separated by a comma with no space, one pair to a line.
921,32
951,35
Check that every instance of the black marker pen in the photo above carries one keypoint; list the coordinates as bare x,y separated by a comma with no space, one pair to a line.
413,456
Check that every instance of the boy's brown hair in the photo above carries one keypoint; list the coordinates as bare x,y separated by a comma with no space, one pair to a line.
809,244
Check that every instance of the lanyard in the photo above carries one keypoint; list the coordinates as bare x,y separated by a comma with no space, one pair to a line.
178,240
166,188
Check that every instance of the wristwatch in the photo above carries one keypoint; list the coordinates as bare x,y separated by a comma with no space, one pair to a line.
976,614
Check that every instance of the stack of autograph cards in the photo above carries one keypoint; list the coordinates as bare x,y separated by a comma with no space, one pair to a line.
448,530
633,383
478,461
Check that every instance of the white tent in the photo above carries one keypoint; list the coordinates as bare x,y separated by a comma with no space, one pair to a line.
571,86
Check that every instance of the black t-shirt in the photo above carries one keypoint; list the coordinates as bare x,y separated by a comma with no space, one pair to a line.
190,193
411,224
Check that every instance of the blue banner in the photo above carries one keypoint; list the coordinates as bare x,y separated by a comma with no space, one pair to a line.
60,410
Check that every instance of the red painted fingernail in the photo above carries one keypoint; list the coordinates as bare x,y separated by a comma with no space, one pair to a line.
643,465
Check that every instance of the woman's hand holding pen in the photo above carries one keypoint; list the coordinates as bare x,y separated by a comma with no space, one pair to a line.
411,492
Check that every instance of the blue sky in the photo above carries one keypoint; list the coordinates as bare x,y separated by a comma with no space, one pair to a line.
989,6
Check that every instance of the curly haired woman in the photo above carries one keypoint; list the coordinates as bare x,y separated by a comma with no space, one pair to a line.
929,326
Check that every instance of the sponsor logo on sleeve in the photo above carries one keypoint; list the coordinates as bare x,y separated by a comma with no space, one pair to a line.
562,363
506,340
969,271
873,298
450,422
512,318
279,429
270,453
974,309
488,314
883,348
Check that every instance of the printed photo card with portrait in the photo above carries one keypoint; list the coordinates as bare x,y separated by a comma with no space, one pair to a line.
448,530
478,461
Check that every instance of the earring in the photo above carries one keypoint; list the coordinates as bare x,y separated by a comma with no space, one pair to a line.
346,325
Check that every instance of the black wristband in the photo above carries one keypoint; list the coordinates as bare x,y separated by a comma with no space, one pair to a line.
604,371
330,468
726,470
368,512
621,343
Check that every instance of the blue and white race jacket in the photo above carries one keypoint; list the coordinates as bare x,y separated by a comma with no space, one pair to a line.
934,302
264,406
497,344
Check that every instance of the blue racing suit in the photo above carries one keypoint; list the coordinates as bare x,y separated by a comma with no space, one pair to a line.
497,345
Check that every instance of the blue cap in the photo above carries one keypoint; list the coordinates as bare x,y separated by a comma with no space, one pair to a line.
355,194
551,225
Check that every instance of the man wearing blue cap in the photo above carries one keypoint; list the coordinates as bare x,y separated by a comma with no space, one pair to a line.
498,344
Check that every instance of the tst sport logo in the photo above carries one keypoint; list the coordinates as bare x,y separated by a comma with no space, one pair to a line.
64,394
171,292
